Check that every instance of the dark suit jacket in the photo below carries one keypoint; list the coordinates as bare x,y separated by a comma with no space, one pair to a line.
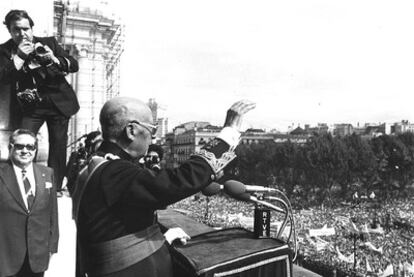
123,198
54,85
35,232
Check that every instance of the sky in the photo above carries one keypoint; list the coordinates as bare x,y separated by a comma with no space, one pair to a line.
301,61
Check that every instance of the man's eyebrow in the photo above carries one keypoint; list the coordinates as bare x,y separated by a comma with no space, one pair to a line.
19,27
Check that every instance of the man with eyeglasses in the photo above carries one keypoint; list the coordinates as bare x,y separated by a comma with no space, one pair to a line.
32,72
114,206
28,210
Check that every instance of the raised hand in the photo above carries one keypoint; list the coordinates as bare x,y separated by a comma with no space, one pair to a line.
24,49
236,112
48,55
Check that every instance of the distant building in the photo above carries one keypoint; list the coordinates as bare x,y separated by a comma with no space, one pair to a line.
402,127
168,147
184,142
189,125
298,131
343,129
374,130
298,139
255,136
360,130
161,122
162,131
321,128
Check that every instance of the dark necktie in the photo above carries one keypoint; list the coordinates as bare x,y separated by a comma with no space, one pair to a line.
27,189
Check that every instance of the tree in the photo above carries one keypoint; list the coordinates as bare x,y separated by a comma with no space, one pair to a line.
362,164
286,168
395,162
254,163
326,158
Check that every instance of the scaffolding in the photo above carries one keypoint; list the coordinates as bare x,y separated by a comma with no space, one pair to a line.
97,42
113,59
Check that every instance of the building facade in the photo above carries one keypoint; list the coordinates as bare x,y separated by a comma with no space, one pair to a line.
162,130
343,129
97,43
187,139
402,127
161,122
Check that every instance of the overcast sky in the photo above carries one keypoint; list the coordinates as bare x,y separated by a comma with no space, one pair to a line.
300,61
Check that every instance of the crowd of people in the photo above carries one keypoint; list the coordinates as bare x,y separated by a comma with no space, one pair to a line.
383,237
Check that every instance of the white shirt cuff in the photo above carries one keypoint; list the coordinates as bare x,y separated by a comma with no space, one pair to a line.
231,136
18,62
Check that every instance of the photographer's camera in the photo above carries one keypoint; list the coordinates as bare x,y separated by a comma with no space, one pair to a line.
40,49
28,98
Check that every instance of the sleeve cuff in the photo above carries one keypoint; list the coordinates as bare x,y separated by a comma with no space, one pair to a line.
64,64
231,136
18,62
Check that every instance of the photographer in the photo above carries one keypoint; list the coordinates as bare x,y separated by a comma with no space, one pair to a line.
153,158
34,70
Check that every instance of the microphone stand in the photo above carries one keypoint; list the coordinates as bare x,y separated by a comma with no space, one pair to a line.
241,192
75,141
288,215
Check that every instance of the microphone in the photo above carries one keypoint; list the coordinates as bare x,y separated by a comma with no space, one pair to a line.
236,190
78,139
239,191
234,187
212,189
83,136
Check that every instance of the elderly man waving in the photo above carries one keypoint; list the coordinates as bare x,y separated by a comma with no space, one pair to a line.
114,203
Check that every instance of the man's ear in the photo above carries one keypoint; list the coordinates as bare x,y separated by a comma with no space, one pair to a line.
130,132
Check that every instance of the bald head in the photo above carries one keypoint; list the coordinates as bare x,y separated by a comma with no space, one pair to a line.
118,112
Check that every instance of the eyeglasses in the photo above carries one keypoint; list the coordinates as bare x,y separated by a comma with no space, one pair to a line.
152,129
30,147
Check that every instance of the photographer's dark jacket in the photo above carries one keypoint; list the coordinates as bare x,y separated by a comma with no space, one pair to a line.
49,80
120,199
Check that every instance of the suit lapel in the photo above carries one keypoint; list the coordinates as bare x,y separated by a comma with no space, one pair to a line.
9,45
40,179
10,180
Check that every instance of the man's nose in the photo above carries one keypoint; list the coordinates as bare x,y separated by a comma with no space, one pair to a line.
23,33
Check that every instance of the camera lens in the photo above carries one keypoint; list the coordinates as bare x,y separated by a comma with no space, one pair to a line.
40,50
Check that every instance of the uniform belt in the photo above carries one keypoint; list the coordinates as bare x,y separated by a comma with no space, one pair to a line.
120,253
